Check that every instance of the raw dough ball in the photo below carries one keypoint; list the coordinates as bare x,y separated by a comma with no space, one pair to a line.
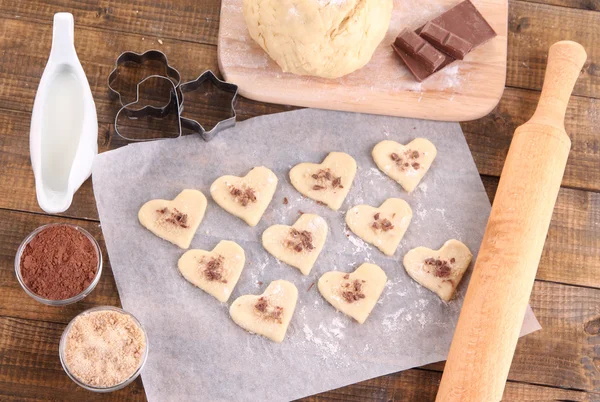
407,164
439,270
327,182
268,314
354,294
382,227
324,38
245,197
217,271
298,245
177,220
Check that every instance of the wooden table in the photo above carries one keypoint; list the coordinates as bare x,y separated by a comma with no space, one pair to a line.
561,362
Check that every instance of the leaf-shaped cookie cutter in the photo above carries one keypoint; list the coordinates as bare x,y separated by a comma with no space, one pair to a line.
149,110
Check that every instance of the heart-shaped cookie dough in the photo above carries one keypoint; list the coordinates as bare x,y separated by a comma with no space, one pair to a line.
407,164
439,270
245,197
382,227
298,245
217,271
268,314
328,182
177,220
354,294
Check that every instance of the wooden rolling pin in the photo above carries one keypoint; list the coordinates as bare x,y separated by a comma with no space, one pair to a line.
492,314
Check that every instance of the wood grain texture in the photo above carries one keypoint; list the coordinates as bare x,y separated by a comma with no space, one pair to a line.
503,275
562,353
464,91
532,28
30,368
562,358
564,349
489,137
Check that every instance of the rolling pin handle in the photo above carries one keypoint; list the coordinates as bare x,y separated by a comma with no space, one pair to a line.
565,60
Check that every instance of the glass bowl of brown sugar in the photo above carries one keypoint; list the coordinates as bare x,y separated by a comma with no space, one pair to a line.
58,264
103,349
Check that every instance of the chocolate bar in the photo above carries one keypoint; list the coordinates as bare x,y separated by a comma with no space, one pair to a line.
420,49
445,41
466,22
463,21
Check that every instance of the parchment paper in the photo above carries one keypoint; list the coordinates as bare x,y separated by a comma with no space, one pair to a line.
196,351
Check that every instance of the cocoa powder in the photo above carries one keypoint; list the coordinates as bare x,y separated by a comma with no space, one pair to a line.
58,263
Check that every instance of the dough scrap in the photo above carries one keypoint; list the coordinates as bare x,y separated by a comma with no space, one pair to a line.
245,197
327,182
298,245
217,271
382,227
406,164
175,220
439,270
318,37
268,314
354,294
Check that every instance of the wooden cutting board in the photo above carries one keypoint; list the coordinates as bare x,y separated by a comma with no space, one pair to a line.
465,90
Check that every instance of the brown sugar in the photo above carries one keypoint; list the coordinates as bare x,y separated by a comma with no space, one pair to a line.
59,262
104,348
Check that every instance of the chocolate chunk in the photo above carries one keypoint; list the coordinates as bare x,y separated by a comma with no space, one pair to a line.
466,22
420,49
446,41
463,21
415,66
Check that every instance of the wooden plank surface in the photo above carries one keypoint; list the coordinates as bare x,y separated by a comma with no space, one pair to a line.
561,362
466,90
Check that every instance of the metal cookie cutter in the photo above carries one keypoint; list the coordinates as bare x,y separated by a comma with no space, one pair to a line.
140,59
194,125
172,107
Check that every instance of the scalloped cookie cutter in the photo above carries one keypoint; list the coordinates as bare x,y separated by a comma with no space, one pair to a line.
176,96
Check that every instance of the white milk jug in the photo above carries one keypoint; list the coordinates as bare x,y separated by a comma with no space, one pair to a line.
63,138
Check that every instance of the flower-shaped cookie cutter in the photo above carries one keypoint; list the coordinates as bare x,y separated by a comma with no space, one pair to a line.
194,125
176,95
139,59
172,107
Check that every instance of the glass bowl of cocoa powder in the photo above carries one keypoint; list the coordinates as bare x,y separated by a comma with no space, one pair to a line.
58,264
103,349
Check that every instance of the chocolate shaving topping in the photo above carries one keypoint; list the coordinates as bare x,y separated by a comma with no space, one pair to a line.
175,217
442,268
244,196
285,201
353,291
324,178
383,224
322,203
299,240
273,313
407,159
214,269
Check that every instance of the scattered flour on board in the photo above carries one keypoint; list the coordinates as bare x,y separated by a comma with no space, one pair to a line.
329,348
393,322
449,224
